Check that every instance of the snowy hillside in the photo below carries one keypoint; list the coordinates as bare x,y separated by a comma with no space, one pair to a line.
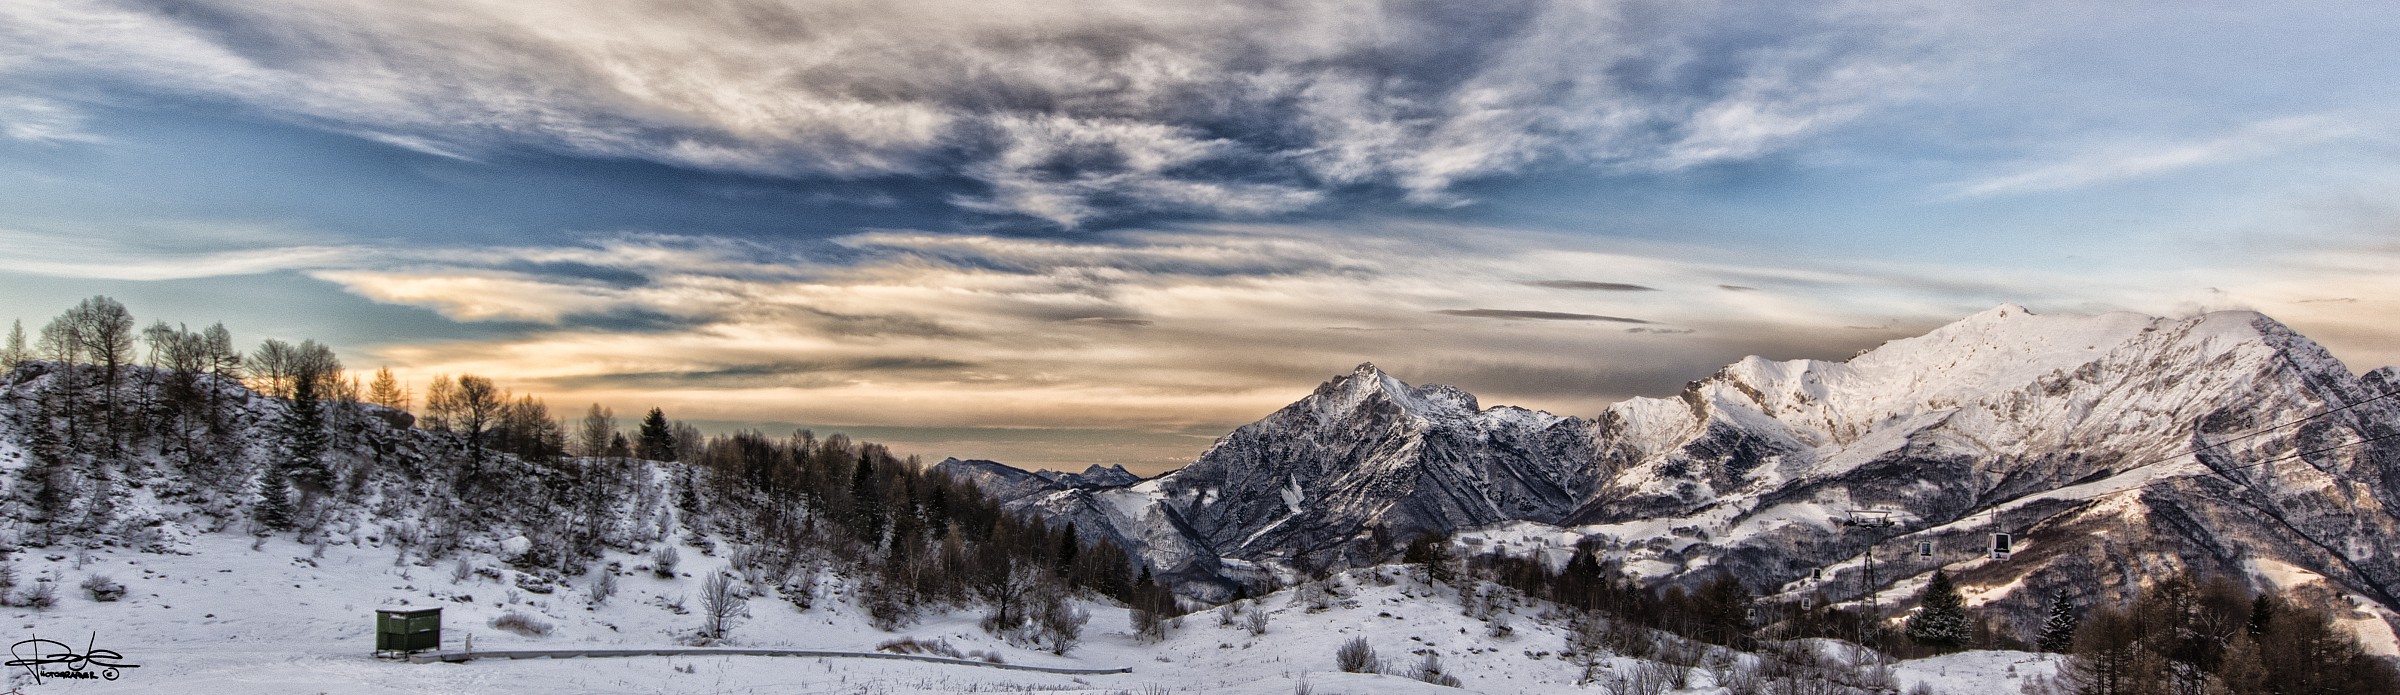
283,617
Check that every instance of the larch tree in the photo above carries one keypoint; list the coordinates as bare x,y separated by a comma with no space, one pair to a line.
15,354
387,391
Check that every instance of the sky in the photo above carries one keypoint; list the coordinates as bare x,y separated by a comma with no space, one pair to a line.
1070,233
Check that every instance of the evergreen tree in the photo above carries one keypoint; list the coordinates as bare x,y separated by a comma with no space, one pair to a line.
2058,633
274,509
1068,544
304,440
657,441
1941,619
866,514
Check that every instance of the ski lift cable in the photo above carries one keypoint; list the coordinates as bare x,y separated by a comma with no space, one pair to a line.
2286,457
1992,514
2252,434
2263,431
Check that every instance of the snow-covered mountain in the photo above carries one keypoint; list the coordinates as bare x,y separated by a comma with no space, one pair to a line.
2112,446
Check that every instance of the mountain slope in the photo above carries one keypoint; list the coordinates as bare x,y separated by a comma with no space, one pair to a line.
2113,446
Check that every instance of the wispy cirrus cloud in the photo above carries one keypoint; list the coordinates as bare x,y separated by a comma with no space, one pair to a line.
1064,113
2109,163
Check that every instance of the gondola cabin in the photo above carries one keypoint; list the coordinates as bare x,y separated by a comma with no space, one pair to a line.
400,632
2001,545
1924,549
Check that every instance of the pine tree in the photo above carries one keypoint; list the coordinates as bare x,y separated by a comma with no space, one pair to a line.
867,513
657,442
2058,633
1941,619
1068,544
274,509
304,439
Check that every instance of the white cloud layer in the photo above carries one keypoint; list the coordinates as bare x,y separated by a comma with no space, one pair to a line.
1062,110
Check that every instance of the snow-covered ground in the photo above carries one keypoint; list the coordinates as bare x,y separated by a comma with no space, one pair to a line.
280,619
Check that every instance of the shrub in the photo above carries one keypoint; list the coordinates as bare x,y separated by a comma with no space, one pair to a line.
1430,671
522,624
103,589
1355,656
603,587
1060,623
43,594
663,561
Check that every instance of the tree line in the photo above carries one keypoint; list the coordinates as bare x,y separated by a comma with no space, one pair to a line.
285,439
2181,635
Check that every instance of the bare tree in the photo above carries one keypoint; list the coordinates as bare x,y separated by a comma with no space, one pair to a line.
224,361
598,430
108,342
721,604
479,404
441,404
271,368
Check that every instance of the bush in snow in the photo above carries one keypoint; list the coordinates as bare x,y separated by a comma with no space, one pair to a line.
522,624
1430,671
103,589
663,561
603,587
43,594
1258,620
1355,656
1058,623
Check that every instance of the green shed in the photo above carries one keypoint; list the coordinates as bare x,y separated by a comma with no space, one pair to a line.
402,631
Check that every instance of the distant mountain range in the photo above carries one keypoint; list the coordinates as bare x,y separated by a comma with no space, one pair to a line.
2112,448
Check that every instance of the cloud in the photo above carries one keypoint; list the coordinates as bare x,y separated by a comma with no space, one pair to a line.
1590,285
1064,113
1514,314
78,254
2100,164
35,119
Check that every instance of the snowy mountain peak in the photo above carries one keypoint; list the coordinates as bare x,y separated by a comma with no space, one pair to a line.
1367,385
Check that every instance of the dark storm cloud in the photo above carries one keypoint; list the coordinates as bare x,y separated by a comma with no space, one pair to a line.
1533,315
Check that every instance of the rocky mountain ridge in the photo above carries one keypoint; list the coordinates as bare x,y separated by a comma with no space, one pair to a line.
2112,447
